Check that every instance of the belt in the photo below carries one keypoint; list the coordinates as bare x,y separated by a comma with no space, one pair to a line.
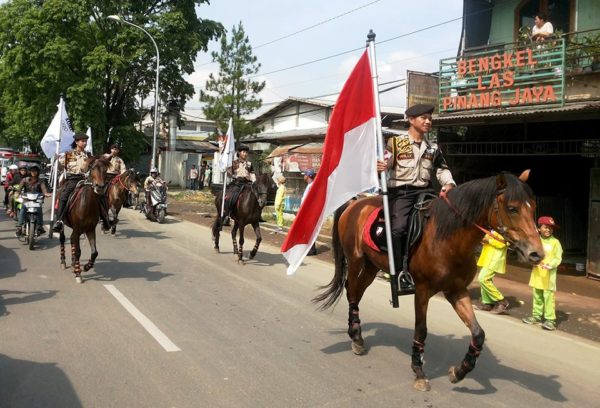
408,187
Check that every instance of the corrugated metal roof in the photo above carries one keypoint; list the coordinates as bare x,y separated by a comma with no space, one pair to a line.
190,146
301,135
468,116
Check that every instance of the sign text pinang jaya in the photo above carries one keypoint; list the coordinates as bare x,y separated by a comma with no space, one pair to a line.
495,78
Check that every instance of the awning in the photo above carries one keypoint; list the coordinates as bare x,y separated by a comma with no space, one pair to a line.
306,148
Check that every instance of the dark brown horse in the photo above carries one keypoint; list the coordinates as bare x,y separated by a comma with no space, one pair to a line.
443,260
83,213
248,207
117,192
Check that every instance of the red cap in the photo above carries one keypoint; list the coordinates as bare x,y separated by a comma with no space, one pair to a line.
549,221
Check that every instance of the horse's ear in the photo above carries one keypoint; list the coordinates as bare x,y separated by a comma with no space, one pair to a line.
500,182
525,175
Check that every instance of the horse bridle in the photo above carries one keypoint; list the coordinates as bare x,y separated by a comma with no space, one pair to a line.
259,192
94,185
500,227
118,178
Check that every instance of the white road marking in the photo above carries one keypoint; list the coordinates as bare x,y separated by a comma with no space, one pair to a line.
150,327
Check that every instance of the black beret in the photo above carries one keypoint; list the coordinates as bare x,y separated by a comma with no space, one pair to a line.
419,109
243,147
79,136
115,146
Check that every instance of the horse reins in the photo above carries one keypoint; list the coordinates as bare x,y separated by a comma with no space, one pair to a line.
501,228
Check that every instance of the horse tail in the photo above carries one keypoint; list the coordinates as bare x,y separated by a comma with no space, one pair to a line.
335,288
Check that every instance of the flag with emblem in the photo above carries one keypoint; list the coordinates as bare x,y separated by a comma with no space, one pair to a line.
348,165
59,132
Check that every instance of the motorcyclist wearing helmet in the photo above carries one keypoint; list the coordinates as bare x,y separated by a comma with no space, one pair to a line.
14,186
150,184
12,170
32,184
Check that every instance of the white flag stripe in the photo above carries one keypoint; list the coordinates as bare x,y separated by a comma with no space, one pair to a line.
89,148
228,152
344,182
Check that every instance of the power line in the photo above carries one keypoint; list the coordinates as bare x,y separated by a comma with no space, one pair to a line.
316,25
361,48
306,28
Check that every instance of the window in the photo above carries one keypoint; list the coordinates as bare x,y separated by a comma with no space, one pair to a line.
560,13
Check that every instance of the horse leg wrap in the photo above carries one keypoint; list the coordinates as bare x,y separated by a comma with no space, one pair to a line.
418,349
354,330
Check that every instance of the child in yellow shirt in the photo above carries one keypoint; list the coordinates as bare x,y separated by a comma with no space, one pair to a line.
543,277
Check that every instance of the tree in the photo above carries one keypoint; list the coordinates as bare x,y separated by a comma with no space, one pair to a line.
233,93
54,47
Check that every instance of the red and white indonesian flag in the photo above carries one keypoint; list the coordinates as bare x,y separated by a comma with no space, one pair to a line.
348,165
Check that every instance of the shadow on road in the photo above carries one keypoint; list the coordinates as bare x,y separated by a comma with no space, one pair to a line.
131,233
441,352
112,269
31,384
17,297
9,262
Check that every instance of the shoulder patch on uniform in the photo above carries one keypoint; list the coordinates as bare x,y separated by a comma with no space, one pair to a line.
404,149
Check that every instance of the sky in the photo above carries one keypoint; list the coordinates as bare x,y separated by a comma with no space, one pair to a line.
340,25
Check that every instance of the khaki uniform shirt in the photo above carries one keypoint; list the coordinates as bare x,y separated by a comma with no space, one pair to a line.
414,165
74,162
149,182
116,165
242,169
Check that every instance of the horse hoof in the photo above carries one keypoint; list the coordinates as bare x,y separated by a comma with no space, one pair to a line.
78,279
86,267
252,255
63,266
452,375
358,348
216,250
422,384
241,261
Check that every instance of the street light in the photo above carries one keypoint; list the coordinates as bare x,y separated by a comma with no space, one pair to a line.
120,20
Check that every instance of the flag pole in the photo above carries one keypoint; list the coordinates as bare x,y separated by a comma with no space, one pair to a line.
55,168
224,186
383,175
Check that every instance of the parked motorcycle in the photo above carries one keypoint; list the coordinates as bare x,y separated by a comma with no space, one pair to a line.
32,203
156,210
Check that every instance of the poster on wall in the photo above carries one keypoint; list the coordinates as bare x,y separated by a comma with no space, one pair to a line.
299,162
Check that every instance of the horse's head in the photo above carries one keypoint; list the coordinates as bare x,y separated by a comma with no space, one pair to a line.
98,167
513,216
132,181
264,185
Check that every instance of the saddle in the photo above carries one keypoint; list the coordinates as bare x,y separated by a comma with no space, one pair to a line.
374,230
232,197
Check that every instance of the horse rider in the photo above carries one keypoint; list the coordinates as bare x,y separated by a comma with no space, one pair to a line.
32,184
242,174
412,161
74,163
116,165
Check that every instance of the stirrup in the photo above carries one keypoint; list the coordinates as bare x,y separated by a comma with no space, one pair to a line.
58,226
406,285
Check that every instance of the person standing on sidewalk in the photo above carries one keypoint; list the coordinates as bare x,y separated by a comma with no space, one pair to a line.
491,262
543,277
280,202
193,177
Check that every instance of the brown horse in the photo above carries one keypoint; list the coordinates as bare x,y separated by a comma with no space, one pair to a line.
117,192
443,260
248,207
82,215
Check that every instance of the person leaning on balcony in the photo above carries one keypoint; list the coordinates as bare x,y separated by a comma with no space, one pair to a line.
542,29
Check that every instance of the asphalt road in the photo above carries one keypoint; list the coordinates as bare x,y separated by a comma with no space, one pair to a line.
163,321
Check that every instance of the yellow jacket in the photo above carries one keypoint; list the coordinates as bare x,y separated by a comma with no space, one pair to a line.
542,278
493,254
279,197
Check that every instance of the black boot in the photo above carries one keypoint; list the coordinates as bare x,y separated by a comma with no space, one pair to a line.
58,224
406,286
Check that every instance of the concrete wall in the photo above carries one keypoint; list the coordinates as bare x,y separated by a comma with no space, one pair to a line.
588,14
172,167
503,22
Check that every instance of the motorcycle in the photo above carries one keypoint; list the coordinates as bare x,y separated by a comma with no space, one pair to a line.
32,203
156,210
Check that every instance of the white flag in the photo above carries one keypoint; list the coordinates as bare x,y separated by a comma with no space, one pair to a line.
89,148
59,131
228,152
